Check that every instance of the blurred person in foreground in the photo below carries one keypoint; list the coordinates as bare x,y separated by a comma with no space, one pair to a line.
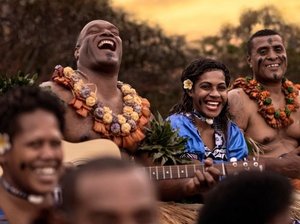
109,190
31,126
251,197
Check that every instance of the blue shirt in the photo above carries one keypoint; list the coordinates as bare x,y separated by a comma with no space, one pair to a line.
3,220
233,147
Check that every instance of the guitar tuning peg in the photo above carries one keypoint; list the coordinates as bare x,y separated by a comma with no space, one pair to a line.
254,159
233,159
245,159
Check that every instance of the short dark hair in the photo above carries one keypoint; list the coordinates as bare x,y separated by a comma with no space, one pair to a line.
101,165
26,99
265,194
260,33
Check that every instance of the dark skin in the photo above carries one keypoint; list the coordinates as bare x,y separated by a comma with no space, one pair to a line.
268,62
101,67
36,146
98,66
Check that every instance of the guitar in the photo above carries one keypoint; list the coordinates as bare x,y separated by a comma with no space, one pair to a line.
188,171
79,153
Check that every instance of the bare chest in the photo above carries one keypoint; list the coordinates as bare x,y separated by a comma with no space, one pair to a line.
274,142
79,128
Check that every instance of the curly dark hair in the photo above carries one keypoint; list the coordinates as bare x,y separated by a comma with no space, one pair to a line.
250,197
260,33
193,71
25,99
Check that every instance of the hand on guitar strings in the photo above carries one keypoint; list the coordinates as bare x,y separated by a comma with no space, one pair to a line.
203,180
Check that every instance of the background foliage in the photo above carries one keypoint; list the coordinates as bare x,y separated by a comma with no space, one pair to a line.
35,35
229,45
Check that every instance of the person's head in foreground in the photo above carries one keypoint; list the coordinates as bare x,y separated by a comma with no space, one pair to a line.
31,126
109,190
250,198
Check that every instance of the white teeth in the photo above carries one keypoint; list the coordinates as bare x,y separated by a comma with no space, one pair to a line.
102,42
272,65
46,171
213,103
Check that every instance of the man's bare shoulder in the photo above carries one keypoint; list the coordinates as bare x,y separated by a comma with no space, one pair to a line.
237,97
238,102
60,91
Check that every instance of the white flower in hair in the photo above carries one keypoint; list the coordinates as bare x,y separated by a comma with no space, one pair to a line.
188,84
4,143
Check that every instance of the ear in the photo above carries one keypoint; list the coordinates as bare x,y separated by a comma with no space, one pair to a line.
3,157
249,61
76,53
190,93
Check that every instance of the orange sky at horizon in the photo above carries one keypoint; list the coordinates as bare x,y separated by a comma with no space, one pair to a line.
196,18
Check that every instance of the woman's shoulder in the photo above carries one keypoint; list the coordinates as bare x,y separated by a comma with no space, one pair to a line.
181,117
3,220
234,127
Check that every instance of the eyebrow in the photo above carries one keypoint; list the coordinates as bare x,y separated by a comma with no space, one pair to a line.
208,82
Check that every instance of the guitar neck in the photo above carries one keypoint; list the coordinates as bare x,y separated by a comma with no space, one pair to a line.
188,171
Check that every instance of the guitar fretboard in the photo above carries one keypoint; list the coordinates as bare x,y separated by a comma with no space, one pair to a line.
188,171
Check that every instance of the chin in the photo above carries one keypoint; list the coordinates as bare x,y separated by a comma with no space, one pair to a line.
43,190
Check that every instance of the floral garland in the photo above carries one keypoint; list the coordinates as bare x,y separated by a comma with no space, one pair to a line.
124,129
4,143
279,118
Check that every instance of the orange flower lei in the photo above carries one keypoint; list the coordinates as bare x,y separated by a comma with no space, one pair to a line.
279,118
124,129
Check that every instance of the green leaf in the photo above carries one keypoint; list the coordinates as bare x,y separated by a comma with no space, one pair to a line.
163,142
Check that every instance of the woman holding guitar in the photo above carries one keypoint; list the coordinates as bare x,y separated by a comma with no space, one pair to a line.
202,114
202,117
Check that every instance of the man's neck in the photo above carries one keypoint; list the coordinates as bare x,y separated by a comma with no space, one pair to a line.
106,83
272,87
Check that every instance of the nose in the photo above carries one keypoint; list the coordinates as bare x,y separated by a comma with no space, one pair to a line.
107,33
214,93
272,55
48,152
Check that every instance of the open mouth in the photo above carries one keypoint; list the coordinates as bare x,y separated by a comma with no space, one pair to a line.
212,105
275,65
45,171
51,169
46,175
107,44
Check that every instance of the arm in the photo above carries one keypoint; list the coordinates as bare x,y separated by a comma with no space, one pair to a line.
288,165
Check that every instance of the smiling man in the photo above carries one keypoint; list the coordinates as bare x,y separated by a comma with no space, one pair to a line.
266,106
31,125
100,105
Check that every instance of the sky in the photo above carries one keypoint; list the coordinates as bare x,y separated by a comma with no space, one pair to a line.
196,18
